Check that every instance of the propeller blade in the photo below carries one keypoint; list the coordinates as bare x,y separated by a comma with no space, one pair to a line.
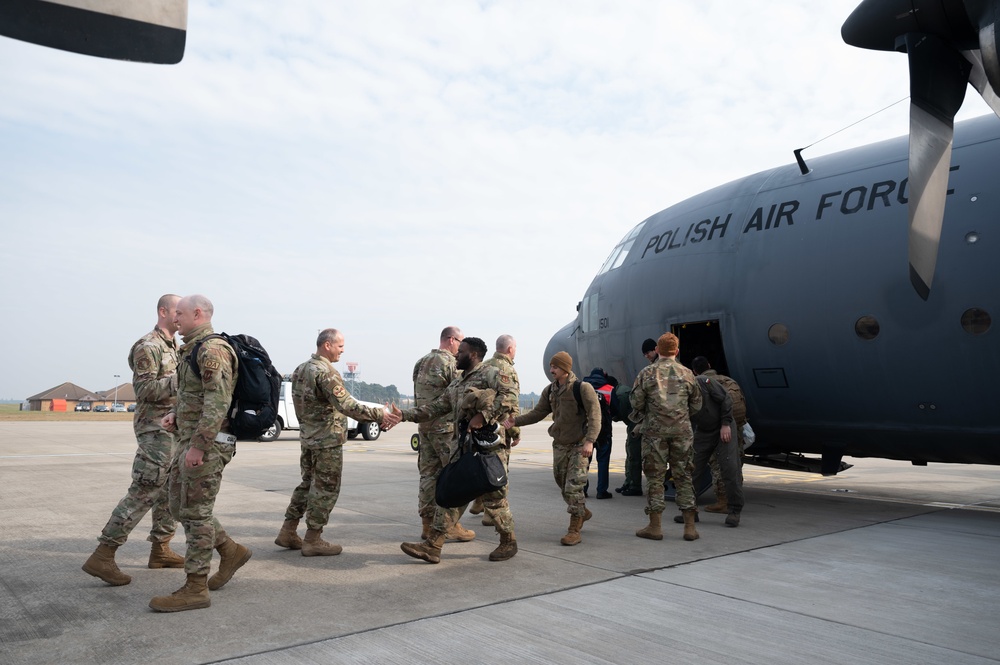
978,80
938,77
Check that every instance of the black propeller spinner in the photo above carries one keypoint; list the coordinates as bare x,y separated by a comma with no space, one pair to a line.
949,43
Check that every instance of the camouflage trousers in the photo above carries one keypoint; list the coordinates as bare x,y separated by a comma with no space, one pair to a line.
192,500
708,444
659,453
569,467
150,471
432,456
633,460
494,504
717,483
317,494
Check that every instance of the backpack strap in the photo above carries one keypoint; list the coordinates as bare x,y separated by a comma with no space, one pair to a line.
193,358
576,395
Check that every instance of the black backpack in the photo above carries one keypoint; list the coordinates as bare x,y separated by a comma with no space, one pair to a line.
258,386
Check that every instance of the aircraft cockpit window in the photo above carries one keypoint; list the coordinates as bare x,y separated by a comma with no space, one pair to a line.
976,321
621,250
867,327
778,334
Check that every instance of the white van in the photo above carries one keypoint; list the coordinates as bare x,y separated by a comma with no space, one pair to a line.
288,420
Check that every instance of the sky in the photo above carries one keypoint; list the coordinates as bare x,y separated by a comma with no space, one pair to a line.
388,168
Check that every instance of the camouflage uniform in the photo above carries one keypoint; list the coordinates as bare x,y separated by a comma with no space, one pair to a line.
633,447
664,397
321,402
153,361
571,426
431,376
503,362
203,400
491,389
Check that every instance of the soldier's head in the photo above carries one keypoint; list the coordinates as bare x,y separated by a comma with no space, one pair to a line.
330,344
649,349
700,365
668,345
560,366
451,337
471,352
166,307
507,345
192,312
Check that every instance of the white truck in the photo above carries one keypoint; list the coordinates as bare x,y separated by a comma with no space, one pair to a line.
288,420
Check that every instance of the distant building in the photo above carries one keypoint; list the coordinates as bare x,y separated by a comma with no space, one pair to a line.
66,396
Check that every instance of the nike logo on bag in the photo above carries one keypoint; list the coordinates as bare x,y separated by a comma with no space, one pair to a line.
500,479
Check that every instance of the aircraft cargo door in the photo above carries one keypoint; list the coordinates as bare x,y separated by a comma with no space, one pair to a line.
701,338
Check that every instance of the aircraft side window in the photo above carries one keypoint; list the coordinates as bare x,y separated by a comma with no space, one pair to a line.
976,321
778,334
867,327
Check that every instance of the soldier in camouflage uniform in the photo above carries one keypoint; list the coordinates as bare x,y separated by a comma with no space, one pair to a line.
503,358
664,397
432,375
485,394
574,431
322,404
204,448
153,361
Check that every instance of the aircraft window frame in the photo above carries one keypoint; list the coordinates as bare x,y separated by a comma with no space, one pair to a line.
867,327
621,250
778,334
976,321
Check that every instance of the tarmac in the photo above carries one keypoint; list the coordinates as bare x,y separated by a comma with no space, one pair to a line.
885,563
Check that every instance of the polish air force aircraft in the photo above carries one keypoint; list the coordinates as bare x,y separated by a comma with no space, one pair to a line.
851,297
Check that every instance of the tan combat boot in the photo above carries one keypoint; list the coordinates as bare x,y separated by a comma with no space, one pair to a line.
192,596
690,517
487,520
428,523
429,550
161,556
314,545
586,516
572,536
679,517
233,556
653,530
477,507
287,536
721,505
506,549
460,533
102,564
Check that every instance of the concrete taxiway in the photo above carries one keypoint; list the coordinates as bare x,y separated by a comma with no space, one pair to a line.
885,563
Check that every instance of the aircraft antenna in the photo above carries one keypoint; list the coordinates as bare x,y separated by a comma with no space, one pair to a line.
798,152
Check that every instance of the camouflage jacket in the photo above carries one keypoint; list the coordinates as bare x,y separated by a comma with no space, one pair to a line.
321,402
431,376
571,424
487,389
664,397
503,362
153,361
203,397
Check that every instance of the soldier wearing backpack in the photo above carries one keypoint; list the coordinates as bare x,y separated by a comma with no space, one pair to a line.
204,448
721,505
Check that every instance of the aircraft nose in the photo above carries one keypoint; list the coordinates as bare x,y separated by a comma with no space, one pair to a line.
874,24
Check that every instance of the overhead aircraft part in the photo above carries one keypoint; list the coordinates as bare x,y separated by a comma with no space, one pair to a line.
948,43
152,31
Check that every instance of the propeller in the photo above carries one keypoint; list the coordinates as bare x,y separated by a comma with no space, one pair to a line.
949,43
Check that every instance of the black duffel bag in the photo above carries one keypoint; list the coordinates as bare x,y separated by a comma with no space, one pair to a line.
475,473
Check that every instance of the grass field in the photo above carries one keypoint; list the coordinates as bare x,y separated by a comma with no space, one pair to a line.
10,412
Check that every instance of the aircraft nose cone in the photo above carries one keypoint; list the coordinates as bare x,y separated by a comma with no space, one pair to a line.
875,24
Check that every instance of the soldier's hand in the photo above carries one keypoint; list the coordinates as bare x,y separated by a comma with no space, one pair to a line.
477,421
588,448
194,457
515,442
508,423
726,434
169,422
